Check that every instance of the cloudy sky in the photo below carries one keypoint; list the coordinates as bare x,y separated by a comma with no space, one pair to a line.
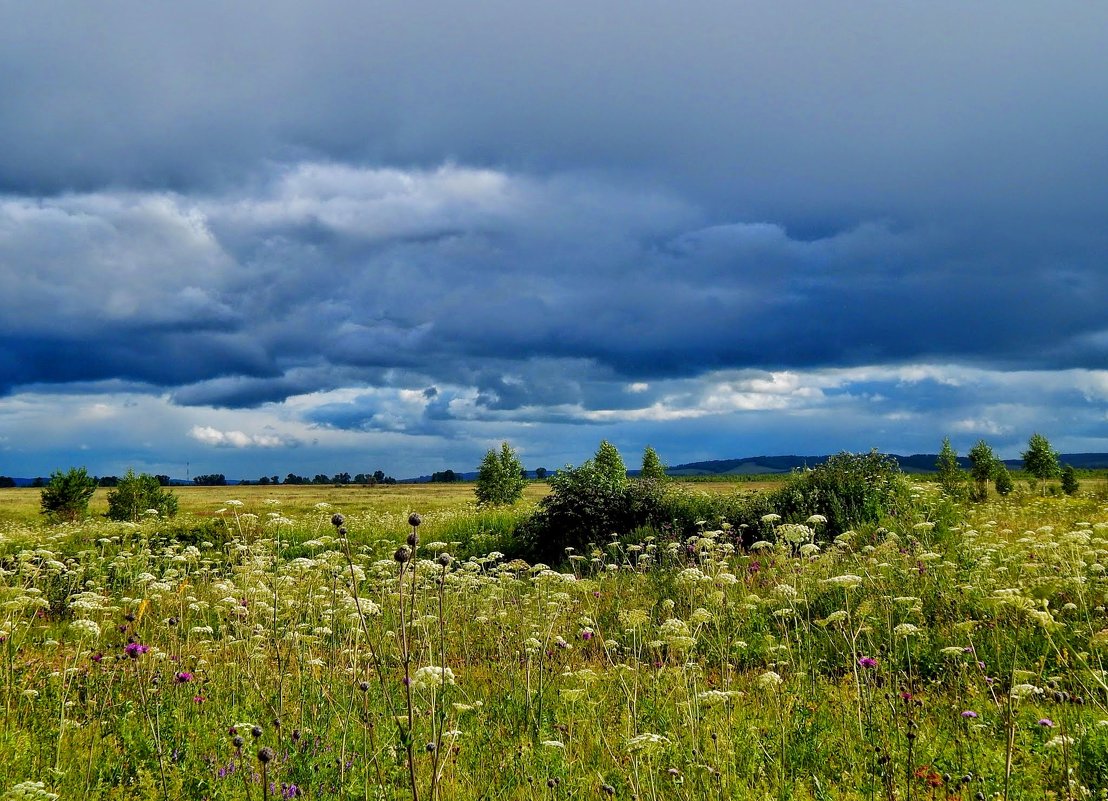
258,238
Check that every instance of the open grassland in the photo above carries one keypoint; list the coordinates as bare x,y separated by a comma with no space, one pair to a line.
250,648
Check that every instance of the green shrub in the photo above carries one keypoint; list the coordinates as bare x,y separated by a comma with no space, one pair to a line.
850,490
582,507
134,495
1070,484
67,495
1003,480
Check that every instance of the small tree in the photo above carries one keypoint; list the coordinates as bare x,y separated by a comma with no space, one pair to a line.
609,465
500,478
67,495
135,494
951,477
1040,460
1070,484
1002,480
652,467
982,468
540,473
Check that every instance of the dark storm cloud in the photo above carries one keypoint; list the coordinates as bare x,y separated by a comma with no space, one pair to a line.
812,115
532,292
561,213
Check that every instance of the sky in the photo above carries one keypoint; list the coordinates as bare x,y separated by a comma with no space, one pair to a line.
270,237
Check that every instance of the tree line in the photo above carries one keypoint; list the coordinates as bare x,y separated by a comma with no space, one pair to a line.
1040,462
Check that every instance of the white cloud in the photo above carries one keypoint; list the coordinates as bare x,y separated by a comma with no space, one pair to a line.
236,439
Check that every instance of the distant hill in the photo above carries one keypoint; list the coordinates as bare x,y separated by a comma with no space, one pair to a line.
916,463
764,465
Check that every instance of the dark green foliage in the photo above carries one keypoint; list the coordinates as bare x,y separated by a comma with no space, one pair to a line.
586,505
1070,484
133,495
500,478
445,477
849,489
1003,480
210,480
67,495
6,482
652,467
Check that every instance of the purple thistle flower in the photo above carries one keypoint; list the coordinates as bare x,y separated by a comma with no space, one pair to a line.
183,677
867,662
969,713
1046,723
134,649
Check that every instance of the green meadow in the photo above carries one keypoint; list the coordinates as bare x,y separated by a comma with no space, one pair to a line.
255,646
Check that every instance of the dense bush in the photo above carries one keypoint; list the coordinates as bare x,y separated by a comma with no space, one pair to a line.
134,495
67,495
849,489
583,506
590,506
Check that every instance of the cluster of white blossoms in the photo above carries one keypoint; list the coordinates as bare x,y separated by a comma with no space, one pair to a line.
432,677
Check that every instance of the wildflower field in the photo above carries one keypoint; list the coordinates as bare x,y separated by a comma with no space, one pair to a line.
311,642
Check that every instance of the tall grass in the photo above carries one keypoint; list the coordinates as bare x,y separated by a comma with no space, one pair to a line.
268,654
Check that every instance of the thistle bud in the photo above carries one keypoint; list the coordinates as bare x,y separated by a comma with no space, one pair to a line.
402,555
265,756
337,520
414,519
445,559
413,539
